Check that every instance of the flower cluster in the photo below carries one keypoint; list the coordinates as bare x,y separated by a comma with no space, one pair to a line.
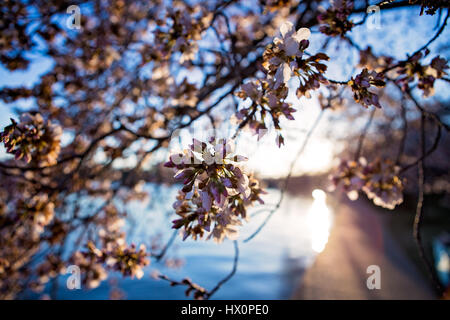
183,33
383,184
24,224
360,85
379,180
334,21
127,260
368,60
50,268
34,215
264,101
91,266
113,253
216,191
111,221
284,57
33,138
281,59
348,175
425,74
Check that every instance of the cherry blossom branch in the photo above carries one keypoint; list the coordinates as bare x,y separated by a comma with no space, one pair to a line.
80,156
200,292
432,116
418,219
425,154
163,252
421,108
338,82
87,170
438,33
123,127
366,14
425,46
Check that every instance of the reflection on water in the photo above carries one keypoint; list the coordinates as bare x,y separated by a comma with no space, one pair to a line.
270,265
319,221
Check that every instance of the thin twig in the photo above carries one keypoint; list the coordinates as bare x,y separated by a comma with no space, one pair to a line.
425,154
425,46
438,33
363,134
286,180
200,292
418,219
169,243
401,148
422,109
230,275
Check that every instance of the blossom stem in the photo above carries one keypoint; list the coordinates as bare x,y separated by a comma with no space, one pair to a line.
363,134
230,275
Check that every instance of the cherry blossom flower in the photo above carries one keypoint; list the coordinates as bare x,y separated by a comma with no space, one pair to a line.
379,179
33,138
90,264
349,176
334,19
216,190
384,187
412,69
364,81
128,260
50,268
280,58
371,62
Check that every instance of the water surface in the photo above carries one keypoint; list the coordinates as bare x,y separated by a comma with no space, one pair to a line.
269,267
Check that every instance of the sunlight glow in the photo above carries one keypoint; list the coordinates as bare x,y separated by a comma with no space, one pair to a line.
319,221
265,158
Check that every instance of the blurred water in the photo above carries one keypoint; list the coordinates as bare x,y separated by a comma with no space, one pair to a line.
270,265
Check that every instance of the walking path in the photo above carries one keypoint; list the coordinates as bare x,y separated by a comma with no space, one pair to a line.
358,240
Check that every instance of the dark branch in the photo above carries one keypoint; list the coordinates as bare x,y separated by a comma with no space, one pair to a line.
419,212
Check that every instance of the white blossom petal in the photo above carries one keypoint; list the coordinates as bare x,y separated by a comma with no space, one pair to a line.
286,73
286,28
302,34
